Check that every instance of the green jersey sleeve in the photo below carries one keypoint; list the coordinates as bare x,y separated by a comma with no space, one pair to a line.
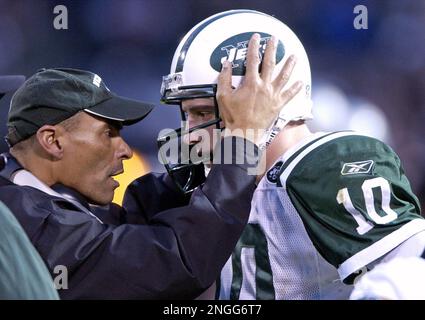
23,273
353,197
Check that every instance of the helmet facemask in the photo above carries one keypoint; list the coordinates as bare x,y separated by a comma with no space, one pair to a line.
185,166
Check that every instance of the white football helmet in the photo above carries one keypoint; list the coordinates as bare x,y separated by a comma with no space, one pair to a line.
198,59
224,36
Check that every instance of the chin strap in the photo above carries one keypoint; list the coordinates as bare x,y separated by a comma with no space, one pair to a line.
272,132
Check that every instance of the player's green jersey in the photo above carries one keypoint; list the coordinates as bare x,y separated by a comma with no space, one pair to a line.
23,275
353,197
336,201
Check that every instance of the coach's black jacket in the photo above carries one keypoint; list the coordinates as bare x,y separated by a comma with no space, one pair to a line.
160,247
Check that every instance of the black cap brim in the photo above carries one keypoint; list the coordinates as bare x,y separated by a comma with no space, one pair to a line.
126,111
10,83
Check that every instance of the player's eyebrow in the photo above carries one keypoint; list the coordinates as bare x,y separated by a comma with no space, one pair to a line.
201,107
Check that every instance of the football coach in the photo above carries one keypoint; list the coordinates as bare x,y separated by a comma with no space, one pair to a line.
65,148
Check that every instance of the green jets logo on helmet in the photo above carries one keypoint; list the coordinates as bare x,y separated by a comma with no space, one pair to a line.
234,49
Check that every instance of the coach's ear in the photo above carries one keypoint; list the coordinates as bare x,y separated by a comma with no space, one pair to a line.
48,138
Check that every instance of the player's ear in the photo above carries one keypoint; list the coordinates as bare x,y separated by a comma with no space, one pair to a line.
48,138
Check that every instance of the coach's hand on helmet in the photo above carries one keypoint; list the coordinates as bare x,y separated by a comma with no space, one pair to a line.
256,103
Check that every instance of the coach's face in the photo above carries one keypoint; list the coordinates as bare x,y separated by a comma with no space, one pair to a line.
93,153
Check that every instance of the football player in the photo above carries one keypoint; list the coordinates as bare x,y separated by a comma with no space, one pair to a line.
331,204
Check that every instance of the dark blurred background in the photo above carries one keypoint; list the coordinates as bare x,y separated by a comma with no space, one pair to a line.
369,80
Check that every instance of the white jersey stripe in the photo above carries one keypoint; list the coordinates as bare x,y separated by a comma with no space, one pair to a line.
301,144
380,248
287,171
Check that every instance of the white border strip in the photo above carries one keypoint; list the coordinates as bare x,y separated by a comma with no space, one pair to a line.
380,248
102,115
284,176
291,151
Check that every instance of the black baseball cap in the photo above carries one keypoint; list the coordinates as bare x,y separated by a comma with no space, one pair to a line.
53,95
10,83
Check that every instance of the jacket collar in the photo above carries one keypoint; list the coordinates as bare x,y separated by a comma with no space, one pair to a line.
14,172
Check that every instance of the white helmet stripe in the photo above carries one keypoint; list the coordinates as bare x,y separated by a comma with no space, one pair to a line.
198,28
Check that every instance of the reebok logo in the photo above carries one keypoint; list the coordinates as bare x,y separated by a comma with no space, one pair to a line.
358,167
